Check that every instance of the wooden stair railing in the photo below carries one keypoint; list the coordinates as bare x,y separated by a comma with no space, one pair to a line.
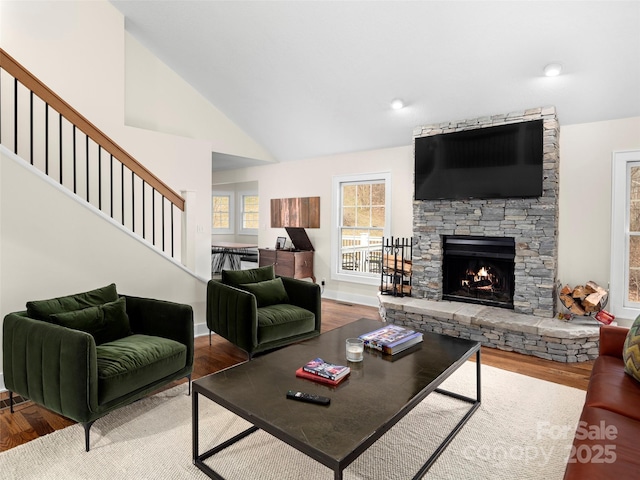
130,196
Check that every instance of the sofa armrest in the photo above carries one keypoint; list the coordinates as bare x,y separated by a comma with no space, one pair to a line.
233,314
612,340
160,318
304,295
54,366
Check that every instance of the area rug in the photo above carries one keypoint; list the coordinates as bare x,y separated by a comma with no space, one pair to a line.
523,429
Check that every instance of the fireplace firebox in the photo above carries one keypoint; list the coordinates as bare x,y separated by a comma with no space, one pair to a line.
478,270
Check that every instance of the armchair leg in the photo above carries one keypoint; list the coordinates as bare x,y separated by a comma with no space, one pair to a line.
87,427
189,377
10,401
209,337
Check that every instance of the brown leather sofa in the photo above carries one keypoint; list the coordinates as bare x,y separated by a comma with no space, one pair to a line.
601,451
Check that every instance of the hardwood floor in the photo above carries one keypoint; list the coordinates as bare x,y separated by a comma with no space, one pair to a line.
31,421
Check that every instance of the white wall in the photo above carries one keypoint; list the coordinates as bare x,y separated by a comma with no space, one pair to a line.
584,251
313,177
76,48
158,99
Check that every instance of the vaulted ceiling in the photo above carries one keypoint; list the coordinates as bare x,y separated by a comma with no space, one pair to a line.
312,78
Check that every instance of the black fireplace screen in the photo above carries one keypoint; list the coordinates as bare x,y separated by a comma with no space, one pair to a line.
478,270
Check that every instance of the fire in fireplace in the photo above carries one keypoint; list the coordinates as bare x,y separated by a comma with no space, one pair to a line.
478,270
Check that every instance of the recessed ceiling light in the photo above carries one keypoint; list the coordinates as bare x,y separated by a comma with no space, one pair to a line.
397,104
553,70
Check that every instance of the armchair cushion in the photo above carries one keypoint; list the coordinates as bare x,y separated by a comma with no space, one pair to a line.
105,323
268,292
276,322
126,364
42,309
235,278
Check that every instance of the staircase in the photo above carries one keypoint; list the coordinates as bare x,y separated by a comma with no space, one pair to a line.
49,134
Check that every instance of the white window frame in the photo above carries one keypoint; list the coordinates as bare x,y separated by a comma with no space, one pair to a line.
231,229
619,278
240,211
338,180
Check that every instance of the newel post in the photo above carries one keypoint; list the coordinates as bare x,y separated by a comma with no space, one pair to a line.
188,243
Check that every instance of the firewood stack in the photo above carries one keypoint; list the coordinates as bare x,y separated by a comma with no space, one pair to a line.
584,299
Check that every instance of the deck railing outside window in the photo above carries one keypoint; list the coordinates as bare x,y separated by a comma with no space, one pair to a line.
361,255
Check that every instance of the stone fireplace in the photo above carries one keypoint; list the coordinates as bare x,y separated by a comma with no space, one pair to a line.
532,223
493,248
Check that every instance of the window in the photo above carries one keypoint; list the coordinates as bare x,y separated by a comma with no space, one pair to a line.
361,219
222,208
625,238
249,214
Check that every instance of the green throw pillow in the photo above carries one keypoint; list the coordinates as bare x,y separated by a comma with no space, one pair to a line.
631,351
43,309
105,323
269,292
236,278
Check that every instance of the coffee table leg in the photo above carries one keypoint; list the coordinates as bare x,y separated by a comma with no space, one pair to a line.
478,383
194,425
198,459
475,404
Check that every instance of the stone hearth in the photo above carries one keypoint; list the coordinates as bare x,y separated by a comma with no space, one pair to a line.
548,338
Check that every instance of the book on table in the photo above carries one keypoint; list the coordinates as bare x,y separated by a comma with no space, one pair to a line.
391,339
317,378
320,368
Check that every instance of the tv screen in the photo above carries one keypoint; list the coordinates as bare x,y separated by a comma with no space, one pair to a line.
504,161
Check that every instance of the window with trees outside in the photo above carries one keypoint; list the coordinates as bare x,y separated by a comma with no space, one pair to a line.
362,210
625,239
222,206
249,213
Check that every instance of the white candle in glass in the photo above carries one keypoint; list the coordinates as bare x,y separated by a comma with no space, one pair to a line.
355,349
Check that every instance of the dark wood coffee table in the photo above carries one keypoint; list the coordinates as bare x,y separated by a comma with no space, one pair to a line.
356,417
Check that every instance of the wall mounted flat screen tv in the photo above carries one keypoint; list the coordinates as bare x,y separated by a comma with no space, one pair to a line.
504,161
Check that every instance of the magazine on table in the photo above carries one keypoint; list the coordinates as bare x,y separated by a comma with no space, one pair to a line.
391,339
319,379
319,367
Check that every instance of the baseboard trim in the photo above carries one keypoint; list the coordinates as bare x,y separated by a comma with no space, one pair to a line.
368,300
2,387
200,329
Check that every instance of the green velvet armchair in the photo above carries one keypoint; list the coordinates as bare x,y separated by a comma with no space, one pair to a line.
257,311
85,355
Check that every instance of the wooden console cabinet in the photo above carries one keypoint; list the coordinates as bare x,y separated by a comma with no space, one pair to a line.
288,263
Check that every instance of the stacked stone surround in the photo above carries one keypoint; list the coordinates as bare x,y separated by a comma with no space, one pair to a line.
530,328
494,327
532,222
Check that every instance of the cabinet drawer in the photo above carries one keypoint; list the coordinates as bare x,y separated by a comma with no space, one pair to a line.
266,257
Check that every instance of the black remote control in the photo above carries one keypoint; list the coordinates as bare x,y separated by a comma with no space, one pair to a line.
308,397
